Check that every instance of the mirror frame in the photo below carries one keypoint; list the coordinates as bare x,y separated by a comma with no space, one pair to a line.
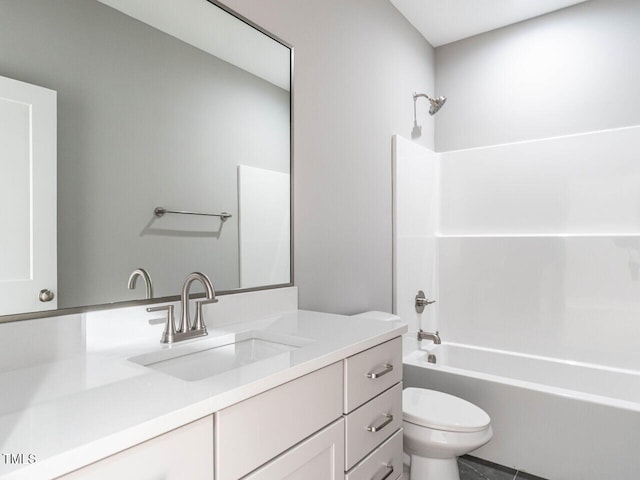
172,298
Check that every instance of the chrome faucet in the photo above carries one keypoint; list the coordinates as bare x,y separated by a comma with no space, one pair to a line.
141,272
422,335
185,324
187,329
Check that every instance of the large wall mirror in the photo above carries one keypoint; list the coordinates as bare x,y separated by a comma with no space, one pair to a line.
114,114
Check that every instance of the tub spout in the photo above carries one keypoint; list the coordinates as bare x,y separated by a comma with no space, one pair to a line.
435,337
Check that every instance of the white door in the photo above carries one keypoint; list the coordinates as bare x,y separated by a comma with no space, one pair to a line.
320,457
28,143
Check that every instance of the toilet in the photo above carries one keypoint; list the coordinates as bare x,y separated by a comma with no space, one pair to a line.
438,428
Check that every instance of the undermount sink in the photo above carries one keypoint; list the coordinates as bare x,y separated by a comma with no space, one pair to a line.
208,357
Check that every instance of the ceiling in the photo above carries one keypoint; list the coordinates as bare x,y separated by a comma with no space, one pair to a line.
445,21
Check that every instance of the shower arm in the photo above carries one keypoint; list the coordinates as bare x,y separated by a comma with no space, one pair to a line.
416,95
415,98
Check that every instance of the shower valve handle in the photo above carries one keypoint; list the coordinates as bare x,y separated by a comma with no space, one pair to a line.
422,301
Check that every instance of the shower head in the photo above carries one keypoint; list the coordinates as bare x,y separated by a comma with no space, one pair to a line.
435,103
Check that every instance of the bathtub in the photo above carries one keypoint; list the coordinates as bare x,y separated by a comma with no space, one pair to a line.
557,419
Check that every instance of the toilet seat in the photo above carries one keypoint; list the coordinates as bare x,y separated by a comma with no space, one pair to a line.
441,411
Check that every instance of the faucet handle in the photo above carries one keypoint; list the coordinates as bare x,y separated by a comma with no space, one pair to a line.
207,301
169,326
168,308
198,323
421,301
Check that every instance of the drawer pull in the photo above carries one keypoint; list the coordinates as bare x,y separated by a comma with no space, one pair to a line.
376,428
387,367
386,473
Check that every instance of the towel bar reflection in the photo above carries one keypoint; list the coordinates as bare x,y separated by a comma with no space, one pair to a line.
160,211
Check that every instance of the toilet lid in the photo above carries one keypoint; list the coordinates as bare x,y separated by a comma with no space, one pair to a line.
442,411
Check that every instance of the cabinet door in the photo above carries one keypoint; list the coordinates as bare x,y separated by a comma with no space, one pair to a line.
320,457
184,453
27,197
256,430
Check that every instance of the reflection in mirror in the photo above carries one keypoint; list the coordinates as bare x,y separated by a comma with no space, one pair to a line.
186,109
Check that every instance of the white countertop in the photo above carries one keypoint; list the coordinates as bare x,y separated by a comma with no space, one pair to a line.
72,412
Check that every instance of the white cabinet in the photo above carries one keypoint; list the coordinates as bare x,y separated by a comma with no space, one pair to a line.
184,453
366,387
320,457
252,432
343,419
372,423
371,372
385,462
28,155
373,412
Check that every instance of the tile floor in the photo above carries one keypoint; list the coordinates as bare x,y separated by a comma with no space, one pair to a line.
472,468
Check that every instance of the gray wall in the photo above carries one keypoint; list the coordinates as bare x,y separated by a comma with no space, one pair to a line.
575,70
144,120
357,63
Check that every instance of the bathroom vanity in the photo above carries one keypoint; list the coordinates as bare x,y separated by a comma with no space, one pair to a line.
319,396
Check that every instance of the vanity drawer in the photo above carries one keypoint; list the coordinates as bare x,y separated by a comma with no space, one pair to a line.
370,372
250,433
371,424
385,462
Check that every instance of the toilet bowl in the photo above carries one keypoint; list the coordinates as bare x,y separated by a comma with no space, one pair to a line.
438,428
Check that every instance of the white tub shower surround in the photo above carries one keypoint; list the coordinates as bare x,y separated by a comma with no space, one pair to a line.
537,251
415,213
539,247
